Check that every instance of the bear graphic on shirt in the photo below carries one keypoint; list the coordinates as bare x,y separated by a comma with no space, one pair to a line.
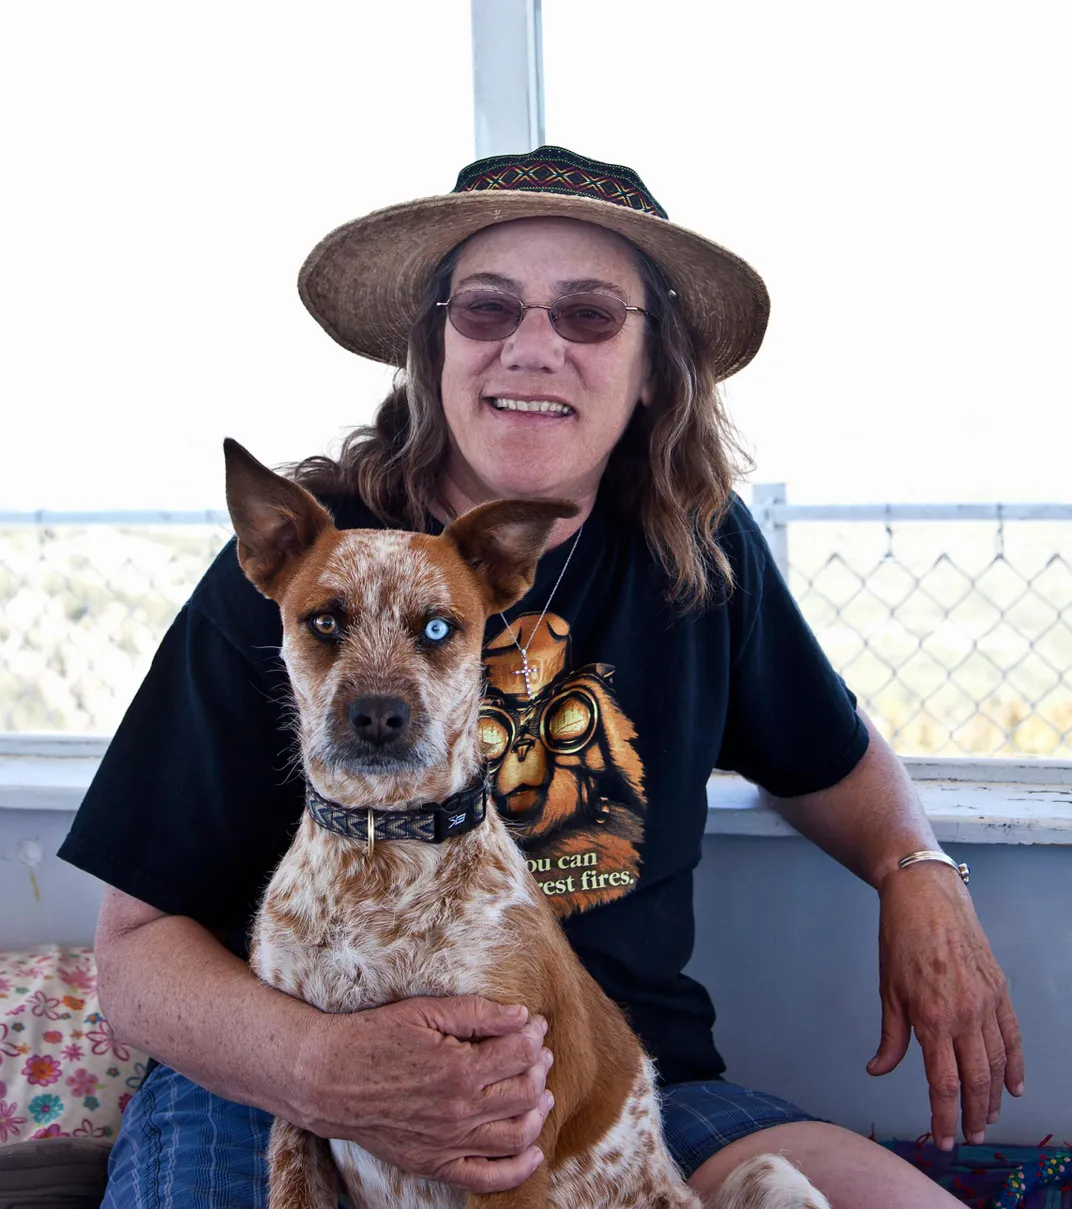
564,770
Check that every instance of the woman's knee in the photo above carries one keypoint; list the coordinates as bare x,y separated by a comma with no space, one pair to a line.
852,1171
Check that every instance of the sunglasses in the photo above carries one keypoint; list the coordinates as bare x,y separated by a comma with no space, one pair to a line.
581,318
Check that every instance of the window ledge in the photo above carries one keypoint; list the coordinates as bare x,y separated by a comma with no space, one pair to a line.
967,801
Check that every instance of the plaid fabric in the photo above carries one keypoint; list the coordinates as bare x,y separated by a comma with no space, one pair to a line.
181,1145
699,1119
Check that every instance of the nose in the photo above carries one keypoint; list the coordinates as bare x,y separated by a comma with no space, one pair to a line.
379,720
534,343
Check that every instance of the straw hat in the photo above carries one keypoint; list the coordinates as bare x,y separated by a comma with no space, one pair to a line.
363,282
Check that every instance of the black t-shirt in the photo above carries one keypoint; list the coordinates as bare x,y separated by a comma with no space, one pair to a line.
604,767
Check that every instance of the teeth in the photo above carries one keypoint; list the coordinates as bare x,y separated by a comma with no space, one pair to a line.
542,405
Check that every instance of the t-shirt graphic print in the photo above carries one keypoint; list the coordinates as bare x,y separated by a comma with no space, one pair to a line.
564,769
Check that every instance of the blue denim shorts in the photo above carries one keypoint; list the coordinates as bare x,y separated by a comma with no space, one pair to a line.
181,1145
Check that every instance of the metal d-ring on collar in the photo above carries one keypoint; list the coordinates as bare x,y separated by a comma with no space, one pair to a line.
433,822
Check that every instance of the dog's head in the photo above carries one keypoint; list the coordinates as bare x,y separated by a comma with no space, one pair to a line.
382,630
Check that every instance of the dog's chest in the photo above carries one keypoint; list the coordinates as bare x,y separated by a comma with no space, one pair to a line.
373,1184
432,925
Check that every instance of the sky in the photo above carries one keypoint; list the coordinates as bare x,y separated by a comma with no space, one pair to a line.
896,174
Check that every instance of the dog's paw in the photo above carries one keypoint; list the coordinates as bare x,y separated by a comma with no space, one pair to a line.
768,1182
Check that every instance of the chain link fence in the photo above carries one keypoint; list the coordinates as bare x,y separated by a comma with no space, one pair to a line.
84,603
952,624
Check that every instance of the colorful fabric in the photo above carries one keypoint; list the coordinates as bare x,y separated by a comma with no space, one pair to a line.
63,1072
996,1177
556,170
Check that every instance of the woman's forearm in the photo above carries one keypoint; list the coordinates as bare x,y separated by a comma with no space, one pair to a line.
870,819
449,1088
170,988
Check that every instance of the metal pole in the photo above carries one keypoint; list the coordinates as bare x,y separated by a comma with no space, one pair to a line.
764,497
507,76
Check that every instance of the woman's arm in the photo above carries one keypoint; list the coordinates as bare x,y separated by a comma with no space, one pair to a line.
869,819
937,973
452,1089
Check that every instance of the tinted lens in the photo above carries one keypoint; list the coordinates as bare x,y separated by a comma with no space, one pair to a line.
484,314
588,318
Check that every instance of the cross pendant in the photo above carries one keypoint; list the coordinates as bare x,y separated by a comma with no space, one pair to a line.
527,672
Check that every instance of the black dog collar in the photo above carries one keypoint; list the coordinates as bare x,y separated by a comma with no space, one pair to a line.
433,822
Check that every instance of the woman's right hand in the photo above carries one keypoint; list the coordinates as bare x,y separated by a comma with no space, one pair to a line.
450,1089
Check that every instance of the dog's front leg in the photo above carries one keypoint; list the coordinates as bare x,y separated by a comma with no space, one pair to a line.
301,1173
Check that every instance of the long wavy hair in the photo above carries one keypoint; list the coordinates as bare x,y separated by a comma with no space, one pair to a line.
673,468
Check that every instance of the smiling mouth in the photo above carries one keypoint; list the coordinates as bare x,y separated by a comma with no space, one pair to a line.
546,407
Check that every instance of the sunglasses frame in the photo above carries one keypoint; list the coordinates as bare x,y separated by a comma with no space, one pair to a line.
537,306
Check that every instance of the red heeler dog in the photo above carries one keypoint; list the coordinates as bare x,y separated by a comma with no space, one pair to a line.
400,883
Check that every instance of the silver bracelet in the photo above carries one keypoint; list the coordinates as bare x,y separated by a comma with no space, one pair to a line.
913,858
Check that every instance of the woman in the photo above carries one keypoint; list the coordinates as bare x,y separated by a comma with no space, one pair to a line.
560,338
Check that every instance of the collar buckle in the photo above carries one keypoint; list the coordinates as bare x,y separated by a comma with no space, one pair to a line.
452,820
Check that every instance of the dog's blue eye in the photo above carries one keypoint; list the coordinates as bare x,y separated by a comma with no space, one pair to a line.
437,629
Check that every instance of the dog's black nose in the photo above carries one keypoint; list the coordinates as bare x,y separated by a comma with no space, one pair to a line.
379,720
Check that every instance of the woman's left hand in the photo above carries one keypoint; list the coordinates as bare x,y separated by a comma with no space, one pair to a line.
938,976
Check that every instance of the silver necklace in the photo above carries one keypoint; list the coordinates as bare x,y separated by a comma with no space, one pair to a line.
526,671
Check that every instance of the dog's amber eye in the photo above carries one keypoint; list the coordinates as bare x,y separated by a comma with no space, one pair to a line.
324,625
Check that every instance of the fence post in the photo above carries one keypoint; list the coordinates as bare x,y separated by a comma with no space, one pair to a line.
764,497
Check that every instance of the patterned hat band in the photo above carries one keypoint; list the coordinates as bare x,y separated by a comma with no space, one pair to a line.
365,283
556,170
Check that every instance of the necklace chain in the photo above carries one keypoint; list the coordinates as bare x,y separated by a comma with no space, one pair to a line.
526,671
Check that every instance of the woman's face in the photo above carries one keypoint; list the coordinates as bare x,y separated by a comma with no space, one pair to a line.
497,450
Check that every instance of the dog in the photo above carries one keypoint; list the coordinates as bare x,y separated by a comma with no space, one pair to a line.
382,634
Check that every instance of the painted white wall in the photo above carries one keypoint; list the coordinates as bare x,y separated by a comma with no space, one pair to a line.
787,946
49,900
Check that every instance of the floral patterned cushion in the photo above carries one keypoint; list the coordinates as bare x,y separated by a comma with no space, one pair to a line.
63,1072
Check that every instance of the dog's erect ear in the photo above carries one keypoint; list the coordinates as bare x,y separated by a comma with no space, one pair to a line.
276,520
502,541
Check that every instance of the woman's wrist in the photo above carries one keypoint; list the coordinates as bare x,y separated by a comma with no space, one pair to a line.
305,1072
920,872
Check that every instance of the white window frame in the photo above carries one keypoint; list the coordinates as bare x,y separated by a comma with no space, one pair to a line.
507,76
980,801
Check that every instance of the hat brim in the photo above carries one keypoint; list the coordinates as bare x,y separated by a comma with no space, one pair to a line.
363,283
